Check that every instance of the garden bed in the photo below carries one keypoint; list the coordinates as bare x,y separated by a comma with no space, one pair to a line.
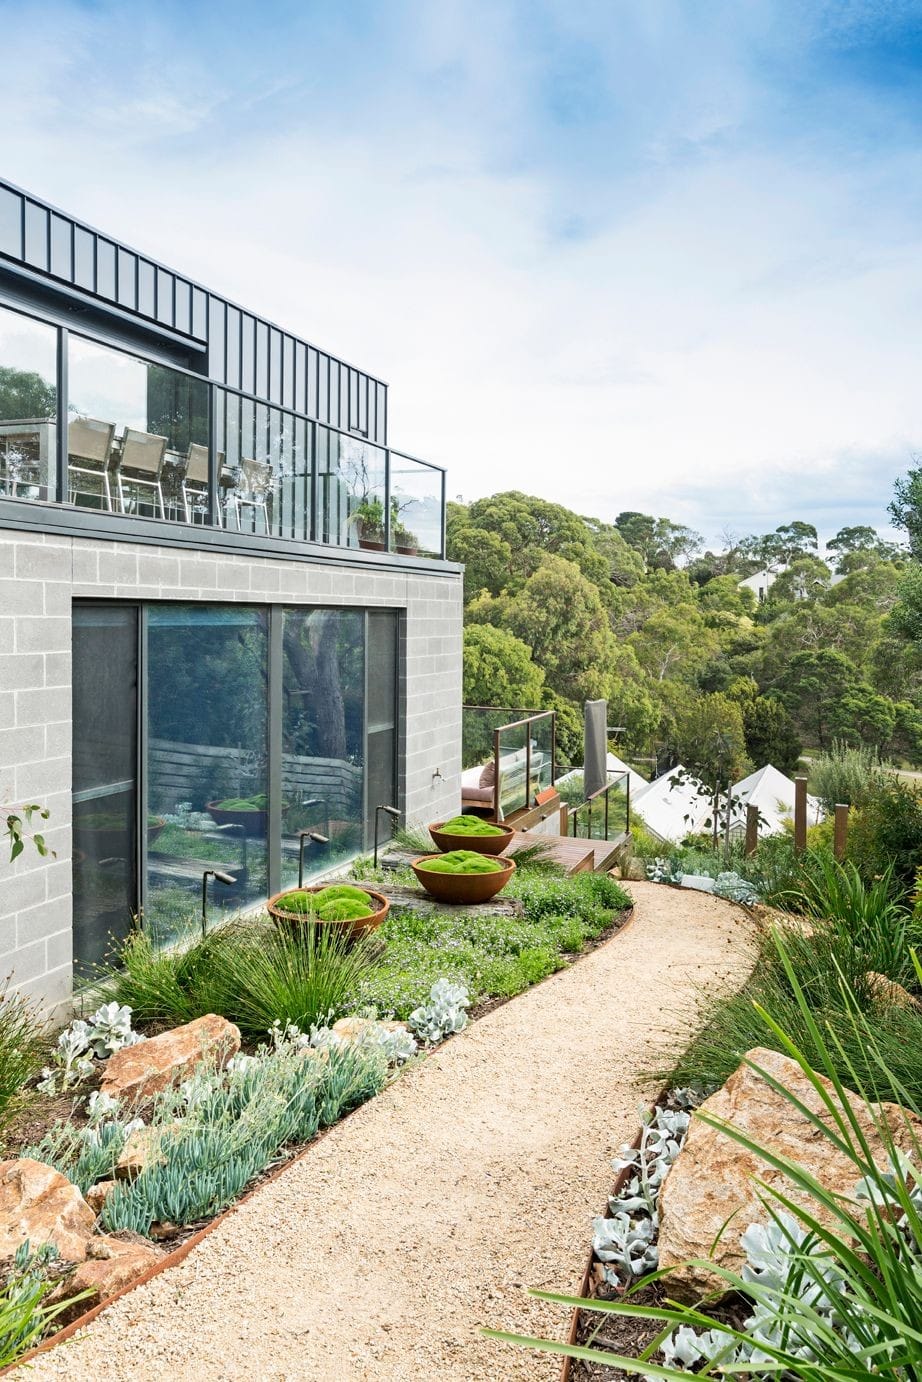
502,952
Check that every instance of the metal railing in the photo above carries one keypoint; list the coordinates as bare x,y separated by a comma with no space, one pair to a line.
507,761
597,811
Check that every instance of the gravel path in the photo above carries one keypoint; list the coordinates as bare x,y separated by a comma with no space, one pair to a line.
431,1210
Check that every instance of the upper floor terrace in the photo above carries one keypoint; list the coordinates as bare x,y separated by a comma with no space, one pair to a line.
134,401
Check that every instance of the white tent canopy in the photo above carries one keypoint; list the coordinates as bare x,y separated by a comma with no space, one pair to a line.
773,794
671,808
615,765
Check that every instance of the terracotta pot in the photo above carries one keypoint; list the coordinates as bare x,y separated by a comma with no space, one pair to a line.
362,926
462,887
154,828
253,822
480,844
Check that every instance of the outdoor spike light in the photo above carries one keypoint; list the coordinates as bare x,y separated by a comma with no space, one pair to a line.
220,877
394,815
305,835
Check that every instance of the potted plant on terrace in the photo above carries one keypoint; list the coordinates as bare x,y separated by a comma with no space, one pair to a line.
403,539
368,517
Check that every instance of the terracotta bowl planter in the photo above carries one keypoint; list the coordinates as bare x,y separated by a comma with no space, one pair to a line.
463,887
363,926
253,822
155,827
480,844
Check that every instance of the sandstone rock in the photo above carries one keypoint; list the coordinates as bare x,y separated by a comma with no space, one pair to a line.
97,1195
38,1203
352,1028
112,1266
889,991
713,1176
141,1150
635,870
137,1072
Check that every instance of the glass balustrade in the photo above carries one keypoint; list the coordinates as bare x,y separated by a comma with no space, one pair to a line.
138,443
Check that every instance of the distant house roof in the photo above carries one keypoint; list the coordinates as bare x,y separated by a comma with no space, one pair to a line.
671,809
773,794
759,581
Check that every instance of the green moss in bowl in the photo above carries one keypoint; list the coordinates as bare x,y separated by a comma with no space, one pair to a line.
462,861
469,825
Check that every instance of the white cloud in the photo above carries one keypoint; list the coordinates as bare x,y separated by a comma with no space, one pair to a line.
676,303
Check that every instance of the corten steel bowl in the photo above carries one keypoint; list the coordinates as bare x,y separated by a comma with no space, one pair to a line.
360,926
480,844
253,822
463,887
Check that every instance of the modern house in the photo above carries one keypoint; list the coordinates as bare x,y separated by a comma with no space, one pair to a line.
228,632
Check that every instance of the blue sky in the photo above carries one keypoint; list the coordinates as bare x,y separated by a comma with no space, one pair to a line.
634,254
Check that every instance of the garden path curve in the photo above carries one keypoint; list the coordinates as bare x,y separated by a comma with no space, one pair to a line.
430,1211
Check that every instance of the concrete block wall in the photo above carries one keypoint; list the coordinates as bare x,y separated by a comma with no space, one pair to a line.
40,575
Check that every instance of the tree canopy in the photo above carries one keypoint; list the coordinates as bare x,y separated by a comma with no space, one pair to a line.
633,611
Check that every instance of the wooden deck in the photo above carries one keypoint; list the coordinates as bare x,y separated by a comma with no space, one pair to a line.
575,856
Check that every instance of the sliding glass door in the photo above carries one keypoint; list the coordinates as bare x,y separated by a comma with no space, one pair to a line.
196,727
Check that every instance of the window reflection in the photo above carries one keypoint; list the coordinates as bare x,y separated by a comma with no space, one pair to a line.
28,406
137,438
322,736
207,696
105,651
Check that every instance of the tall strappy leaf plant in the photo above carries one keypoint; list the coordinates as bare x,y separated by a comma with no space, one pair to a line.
848,1303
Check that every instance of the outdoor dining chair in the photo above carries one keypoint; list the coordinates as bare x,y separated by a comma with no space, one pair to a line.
253,490
195,481
141,466
89,441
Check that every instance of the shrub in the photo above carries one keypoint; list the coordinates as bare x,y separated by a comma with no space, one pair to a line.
252,973
886,830
22,1042
845,775
591,897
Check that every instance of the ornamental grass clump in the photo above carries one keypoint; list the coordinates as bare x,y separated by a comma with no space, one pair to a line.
22,1042
24,1315
461,861
251,972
